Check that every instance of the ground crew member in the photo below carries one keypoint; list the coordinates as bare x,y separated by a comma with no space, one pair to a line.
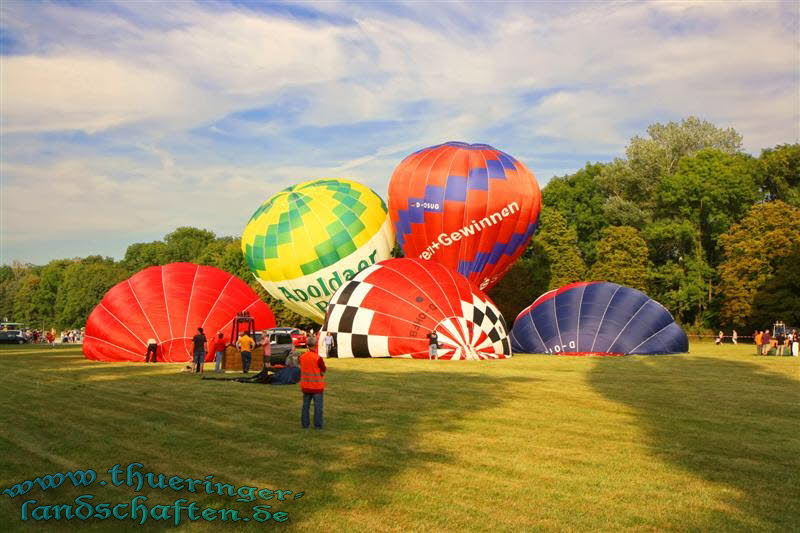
312,383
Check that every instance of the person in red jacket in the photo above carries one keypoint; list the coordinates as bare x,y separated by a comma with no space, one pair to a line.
312,383
219,351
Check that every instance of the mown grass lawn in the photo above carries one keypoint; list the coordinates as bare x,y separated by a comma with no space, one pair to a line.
700,442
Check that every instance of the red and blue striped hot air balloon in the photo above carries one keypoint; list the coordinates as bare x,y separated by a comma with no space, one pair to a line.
470,207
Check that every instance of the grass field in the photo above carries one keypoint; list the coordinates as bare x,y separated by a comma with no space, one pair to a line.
703,442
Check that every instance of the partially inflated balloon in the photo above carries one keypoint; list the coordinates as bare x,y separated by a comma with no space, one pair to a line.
467,206
389,309
306,241
597,318
168,303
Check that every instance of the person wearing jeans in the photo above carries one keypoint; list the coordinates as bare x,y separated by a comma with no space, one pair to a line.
199,349
305,414
312,384
246,344
219,352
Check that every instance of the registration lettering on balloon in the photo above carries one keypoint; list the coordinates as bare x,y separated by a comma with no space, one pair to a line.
421,317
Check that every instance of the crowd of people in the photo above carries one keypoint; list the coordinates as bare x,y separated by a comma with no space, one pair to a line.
781,343
51,337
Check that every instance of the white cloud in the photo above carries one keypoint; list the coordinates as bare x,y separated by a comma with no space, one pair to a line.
140,79
90,94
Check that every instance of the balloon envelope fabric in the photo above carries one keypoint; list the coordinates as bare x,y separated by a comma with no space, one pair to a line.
388,309
168,303
467,206
597,318
308,239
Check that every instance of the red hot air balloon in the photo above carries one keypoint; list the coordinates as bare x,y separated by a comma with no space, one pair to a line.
467,206
388,310
168,303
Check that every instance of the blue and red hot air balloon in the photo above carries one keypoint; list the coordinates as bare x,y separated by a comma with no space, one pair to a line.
470,207
597,318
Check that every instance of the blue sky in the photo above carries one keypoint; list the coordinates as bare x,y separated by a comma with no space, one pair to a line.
124,120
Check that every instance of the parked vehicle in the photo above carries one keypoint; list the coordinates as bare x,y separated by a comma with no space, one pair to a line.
13,336
281,345
298,337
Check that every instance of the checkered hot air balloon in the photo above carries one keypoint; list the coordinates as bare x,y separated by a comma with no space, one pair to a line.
597,318
303,243
388,310
168,303
467,206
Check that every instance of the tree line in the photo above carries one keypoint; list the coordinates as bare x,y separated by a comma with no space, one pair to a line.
62,293
686,216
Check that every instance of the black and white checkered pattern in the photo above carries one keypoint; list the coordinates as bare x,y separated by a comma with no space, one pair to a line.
349,322
488,319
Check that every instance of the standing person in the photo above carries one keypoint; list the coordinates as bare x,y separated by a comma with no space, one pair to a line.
780,342
199,350
720,336
330,345
51,339
152,348
246,344
795,343
267,349
758,338
766,342
219,352
734,337
312,383
311,342
433,345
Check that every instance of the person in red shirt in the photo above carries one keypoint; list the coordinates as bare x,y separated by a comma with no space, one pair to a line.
312,383
219,352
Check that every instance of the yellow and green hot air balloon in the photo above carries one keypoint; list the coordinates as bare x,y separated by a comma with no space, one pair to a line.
306,241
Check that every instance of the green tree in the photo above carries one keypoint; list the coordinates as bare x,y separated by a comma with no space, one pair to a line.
556,245
711,190
25,309
187,243
683,286
225,253
759,271
631,184
621,257
84,284
145,254
579,199
44,298
780,173
11,277
526,279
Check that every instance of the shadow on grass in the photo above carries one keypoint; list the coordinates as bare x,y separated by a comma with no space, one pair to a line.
377,417
731,423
